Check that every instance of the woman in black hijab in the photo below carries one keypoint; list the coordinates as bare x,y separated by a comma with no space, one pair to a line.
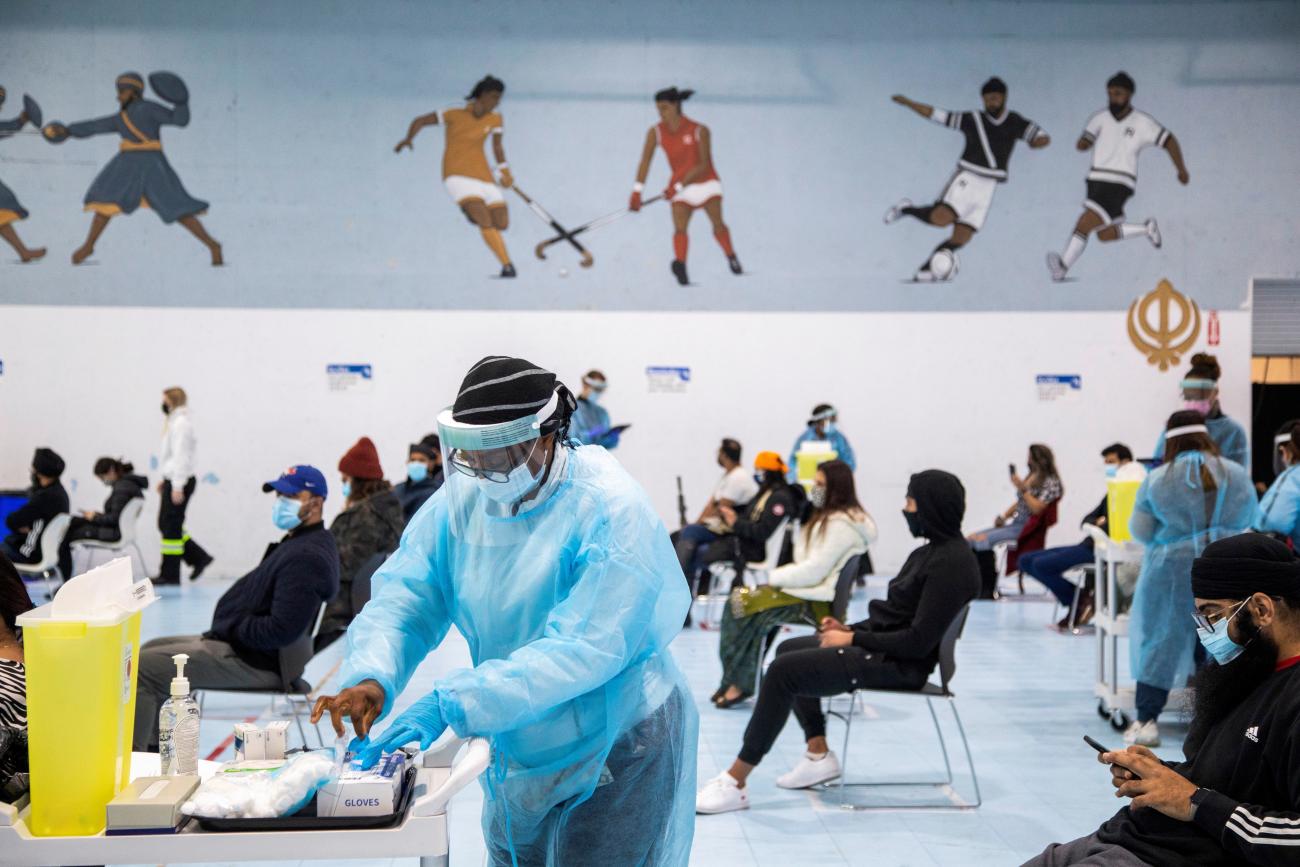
896,647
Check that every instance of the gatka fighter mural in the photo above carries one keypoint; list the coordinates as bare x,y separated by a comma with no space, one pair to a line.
140,174
11,210
1115,135
991,136
694,183
465,171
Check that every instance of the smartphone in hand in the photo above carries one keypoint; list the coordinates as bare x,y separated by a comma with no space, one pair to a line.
1011,469
1099,748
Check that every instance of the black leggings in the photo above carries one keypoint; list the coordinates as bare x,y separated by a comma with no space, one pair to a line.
801,675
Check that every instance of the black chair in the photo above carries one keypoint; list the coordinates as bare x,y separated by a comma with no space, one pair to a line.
361,580
295,690
839,610
930,692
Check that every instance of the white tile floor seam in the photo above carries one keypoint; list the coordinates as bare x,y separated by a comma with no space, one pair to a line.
1025,695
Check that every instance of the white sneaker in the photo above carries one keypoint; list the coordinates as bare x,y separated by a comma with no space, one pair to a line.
896,210
1056,265
810,772
1144,734
722,794
1153,233
924,275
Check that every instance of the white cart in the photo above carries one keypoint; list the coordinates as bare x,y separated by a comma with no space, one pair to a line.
1114,702
422,832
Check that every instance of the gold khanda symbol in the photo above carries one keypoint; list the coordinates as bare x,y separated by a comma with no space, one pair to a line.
1164,342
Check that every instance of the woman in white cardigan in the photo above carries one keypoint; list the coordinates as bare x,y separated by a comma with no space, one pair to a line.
801,591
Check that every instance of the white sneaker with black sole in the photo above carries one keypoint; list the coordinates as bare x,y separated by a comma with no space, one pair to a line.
811,771
722,794
896,210
1144,734
1153,233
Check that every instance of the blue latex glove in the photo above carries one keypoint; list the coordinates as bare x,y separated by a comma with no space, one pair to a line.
420,722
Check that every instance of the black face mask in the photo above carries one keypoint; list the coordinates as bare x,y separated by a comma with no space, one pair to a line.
167,410
1117,109
914,523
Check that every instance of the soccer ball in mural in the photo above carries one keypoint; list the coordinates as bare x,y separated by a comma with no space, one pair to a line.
944,264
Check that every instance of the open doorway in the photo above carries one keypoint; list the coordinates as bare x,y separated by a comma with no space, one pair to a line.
1275,368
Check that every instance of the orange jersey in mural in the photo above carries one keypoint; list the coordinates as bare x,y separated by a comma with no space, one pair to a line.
683,149
465,137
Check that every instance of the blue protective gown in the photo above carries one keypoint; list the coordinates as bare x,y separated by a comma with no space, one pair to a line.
843,451
1280,507
590,425
1175,517
568,610
1229,436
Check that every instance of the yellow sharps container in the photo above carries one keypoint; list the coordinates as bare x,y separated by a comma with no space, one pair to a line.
1121,497
806,462
82,651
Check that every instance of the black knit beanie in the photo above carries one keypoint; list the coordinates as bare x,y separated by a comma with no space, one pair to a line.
499,389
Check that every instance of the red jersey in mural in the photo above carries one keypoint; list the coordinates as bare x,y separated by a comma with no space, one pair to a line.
682,147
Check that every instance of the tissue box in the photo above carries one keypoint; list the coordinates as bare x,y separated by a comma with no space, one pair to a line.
277,738
364,793
150,805
250,743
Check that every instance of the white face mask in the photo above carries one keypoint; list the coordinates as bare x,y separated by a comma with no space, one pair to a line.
519,482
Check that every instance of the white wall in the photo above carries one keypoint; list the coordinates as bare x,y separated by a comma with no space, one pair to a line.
915,390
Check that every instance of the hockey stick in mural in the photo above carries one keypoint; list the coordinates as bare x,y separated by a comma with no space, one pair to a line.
586,227
565,234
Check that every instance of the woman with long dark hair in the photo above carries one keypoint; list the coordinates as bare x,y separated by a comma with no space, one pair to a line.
106,526
1034,494
694,183
800,591
1193,499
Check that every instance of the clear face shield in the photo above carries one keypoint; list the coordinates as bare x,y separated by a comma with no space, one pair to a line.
495,470
1198,394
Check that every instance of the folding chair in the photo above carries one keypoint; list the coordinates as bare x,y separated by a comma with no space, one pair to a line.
930,692
723,573
293,663
48,566
839,610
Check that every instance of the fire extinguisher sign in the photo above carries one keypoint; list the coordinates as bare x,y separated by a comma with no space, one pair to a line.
1212,328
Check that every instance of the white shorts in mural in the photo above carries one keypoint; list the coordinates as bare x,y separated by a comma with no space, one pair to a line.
696,195
970,196
461,188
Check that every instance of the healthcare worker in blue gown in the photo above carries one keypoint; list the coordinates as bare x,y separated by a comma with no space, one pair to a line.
551,562
1200,390
1194,498
1280,506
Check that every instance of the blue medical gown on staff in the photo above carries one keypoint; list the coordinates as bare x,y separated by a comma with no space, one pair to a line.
839,443
1175,517
1229,436
591,427
1280,507
568,610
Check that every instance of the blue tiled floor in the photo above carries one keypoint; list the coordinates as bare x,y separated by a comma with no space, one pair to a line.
1025,696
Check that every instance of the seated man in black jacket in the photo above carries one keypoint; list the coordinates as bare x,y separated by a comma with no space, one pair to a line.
423,475
896,647
46,499
1236,800
266,610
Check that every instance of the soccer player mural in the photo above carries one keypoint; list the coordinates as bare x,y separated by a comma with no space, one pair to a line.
11,210
694,183
1115,135
139,175
465,171
991,135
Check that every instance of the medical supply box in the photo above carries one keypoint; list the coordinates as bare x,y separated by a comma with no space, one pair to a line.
150,805
375,792
82,651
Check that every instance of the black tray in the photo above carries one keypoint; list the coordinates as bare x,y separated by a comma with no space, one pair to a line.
307,820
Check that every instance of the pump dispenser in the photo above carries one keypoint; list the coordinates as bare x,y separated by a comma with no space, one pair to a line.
178,726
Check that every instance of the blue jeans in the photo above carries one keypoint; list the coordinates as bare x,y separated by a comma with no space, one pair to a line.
691,542
1048,567
1007,533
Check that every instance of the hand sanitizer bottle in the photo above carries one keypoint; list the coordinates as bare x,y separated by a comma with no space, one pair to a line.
178,726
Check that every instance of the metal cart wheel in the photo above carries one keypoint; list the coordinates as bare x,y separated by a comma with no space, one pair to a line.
1119,720
1102,710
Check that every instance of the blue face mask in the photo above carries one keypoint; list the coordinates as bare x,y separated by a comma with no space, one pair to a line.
518,482
285,513
594,397
417,471
830,428
1216,642
1111,470
346,490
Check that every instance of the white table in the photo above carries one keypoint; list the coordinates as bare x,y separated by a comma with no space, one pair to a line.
421,833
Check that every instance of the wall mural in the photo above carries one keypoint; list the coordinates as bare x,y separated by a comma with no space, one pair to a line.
11,210
139,175
307,164
991,135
